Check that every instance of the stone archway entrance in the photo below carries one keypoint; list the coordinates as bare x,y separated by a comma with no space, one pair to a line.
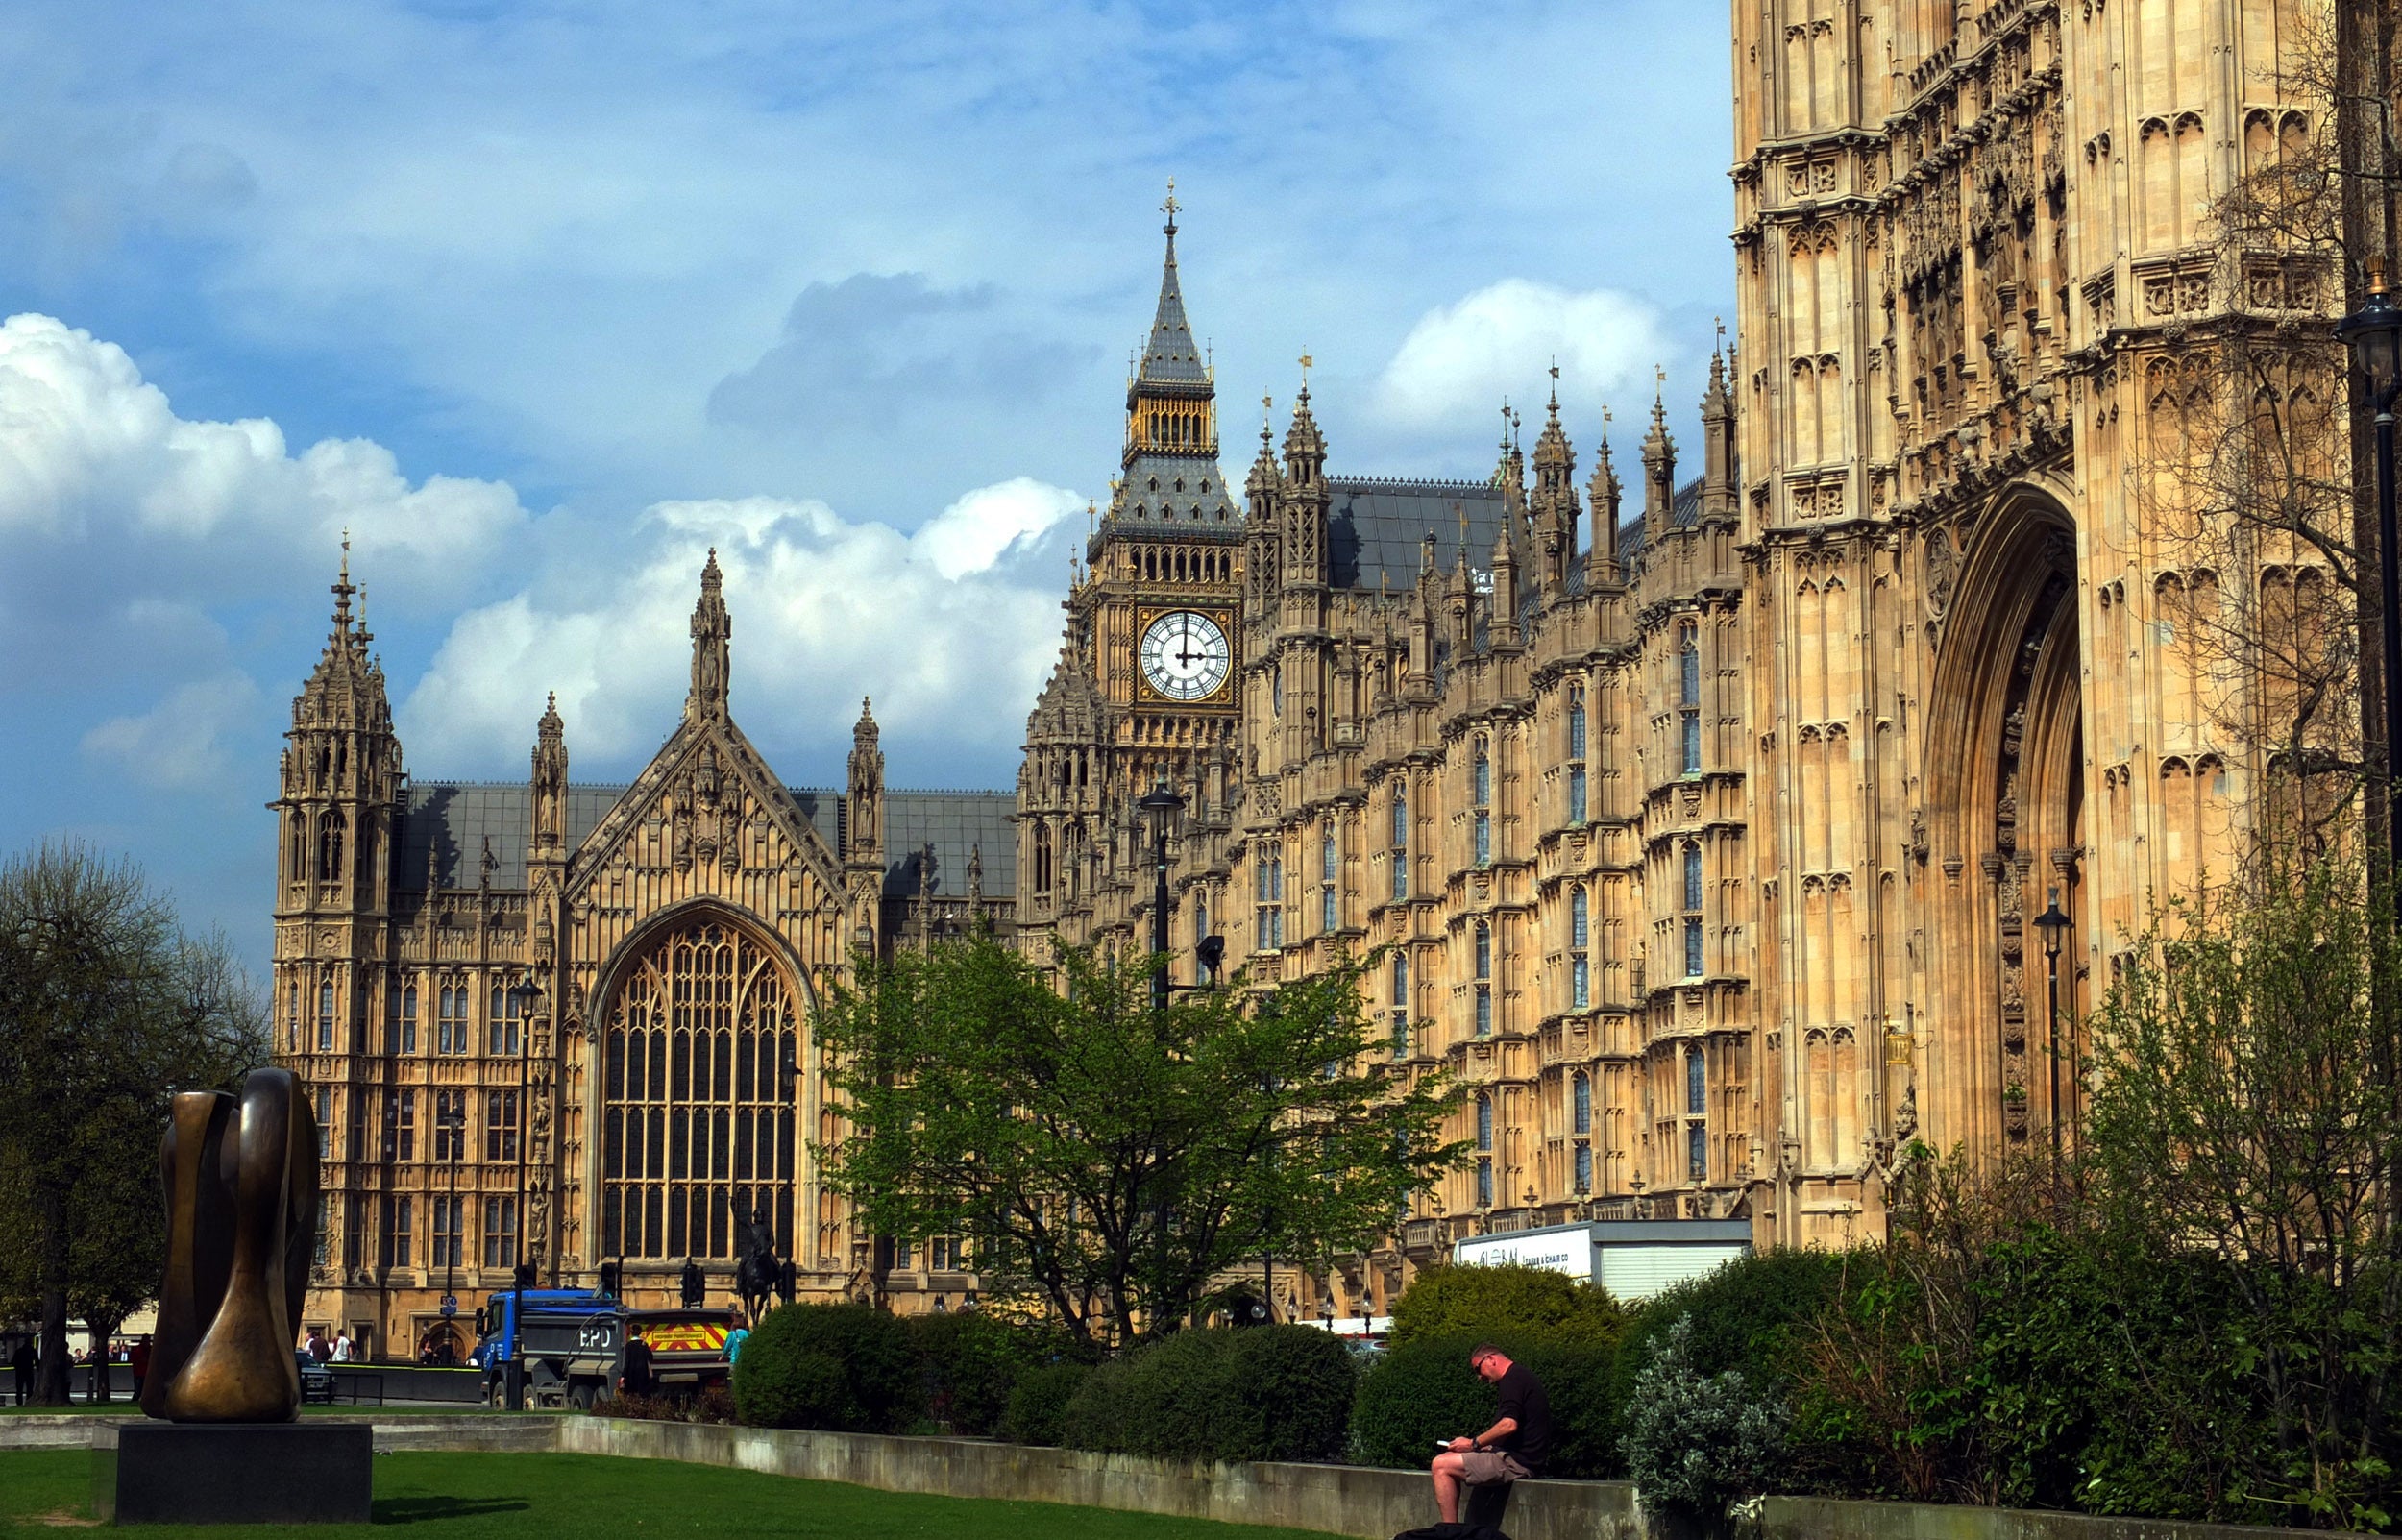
2005,776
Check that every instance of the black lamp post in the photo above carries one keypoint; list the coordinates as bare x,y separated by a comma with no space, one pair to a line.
2054,925
2374,334
1162,804
525,995
454,1123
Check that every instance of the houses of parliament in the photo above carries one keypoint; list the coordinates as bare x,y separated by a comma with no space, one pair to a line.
1706,798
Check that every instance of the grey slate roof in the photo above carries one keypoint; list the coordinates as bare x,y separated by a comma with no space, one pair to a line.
448,821
1374,528
1171,486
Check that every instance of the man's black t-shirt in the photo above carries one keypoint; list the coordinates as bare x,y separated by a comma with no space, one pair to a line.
1522,1398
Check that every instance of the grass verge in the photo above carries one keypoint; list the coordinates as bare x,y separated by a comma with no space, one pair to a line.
592,1497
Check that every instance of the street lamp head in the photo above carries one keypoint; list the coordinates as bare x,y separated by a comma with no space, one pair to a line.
2054,925
1160,802
1211,952
2374,334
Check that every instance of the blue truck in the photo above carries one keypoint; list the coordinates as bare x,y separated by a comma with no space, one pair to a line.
574,1345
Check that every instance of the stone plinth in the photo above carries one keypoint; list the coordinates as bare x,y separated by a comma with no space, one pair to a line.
234,1472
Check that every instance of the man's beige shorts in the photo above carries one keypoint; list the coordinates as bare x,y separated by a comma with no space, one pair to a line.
1490,1467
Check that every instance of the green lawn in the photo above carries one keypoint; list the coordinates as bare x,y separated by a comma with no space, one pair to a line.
590,1496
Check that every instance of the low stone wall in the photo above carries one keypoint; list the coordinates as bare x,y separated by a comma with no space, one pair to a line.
1346,1500
529,1434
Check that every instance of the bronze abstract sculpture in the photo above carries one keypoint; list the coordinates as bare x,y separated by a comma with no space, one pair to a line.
241,1190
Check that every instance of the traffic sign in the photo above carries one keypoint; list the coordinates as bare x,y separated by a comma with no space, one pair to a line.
450,1305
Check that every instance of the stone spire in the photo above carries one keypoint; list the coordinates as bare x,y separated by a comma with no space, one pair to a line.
1503,623
1602,497
1170,354
1305,495
346,689
1659,473
1555,498
1169,464
1718,442
712,630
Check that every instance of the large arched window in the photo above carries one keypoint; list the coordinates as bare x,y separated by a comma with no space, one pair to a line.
699,1117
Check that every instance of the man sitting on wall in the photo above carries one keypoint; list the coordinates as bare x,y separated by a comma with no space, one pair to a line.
1511,1450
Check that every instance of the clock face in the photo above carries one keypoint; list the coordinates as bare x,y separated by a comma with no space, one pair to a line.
1184,656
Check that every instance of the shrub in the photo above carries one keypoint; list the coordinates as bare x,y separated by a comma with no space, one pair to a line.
1038,1404
971,1359
1424,1390
1695,1441
1747,1315
1493,1302
847,1367
715,1405
1280,1392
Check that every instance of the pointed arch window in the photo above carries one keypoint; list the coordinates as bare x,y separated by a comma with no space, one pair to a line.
1481,790
1579,957
1576,783
1268,914
1401,1004
400,1027
1692,925
325,1015
1581,1093
699,1107
1689,697
1328,899
1483,1123
331,827
1401,839
505,1030
1697,1118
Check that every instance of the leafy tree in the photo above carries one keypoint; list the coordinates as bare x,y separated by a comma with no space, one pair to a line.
1111,1160
2247,1105
105,1009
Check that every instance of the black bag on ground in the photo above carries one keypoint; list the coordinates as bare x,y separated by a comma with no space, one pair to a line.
1452,1531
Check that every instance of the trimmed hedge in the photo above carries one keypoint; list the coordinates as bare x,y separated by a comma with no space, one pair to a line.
1038,1404
1259,1393
972,1360
849,1368
1448,1302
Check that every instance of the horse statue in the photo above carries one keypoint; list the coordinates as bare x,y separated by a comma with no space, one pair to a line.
757,1271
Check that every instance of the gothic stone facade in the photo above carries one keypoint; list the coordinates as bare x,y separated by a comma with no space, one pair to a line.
575,1018
1708,845
1706,833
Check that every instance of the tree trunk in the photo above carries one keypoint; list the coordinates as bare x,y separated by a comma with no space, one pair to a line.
51,1383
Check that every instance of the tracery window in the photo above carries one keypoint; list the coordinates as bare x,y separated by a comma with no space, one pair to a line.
502,1027
1269,916
1481,792
1580,961
400,1027
699,1117
325,1015
1581,1103
1401,839
1688,699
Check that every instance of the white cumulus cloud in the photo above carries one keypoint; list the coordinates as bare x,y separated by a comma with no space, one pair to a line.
93,453
950,629
183,739
1462,360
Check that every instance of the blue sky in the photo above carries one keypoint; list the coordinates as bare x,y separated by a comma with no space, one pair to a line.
540,301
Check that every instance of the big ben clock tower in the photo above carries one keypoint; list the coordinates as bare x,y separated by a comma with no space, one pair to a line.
1160,612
